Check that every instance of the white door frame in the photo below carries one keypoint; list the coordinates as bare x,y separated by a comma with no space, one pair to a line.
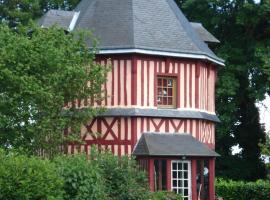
188,178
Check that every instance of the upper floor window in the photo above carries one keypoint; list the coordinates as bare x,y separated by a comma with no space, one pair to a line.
166,92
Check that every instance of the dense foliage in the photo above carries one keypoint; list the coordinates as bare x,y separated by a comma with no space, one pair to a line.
244,31
25,178
101,176
164,195
40,71
238,190
82,179
266,153
124,181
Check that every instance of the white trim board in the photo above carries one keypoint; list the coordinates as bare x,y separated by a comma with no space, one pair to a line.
161,53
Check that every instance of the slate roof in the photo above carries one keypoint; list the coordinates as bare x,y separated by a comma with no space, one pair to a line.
156,27
203,33
57,17
168,144
168,113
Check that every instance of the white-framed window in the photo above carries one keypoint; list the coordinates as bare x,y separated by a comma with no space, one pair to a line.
181,178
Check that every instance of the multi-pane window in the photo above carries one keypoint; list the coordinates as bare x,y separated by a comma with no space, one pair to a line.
166,92
181,178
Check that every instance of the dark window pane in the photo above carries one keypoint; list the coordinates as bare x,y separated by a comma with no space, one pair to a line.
170,101
185,192
159,91
185,175
164,174
185,166
180,183
174,174
185,183
180,174
164,82
175,190
164,101
179,166
170,91
174,183
159,82
198,176
174,166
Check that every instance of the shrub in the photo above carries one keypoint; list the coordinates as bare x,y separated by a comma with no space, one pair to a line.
27,178
82,178
238,190
123,181
164,195
103,176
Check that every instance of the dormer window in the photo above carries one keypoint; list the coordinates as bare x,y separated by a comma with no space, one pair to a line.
166,92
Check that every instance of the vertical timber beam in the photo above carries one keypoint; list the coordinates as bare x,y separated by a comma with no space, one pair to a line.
133,132
193,178
134,81
151,174
212,179
169,174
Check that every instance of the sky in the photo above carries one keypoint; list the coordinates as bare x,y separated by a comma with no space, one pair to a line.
264,107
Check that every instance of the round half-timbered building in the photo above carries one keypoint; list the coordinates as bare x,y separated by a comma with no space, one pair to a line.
160,90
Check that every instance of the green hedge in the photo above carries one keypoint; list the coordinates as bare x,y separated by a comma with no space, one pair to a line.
123,180
100,176
165,195
238,190
23,178
82,179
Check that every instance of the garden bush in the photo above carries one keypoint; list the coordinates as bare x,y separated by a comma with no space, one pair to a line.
82,177
238,190
123,180
27,178
164,195
100,176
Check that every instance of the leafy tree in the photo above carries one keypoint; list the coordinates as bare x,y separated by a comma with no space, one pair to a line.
266,147
243,29
16,12
266,153
40,72
25,178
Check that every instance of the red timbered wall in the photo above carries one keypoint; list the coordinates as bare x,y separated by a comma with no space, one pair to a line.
120,134
203,130
132,82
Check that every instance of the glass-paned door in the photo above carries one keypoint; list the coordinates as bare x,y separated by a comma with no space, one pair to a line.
181,178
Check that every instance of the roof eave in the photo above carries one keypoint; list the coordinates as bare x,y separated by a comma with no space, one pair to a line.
177,155
162,53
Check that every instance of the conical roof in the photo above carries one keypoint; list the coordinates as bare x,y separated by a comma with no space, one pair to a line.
156,27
